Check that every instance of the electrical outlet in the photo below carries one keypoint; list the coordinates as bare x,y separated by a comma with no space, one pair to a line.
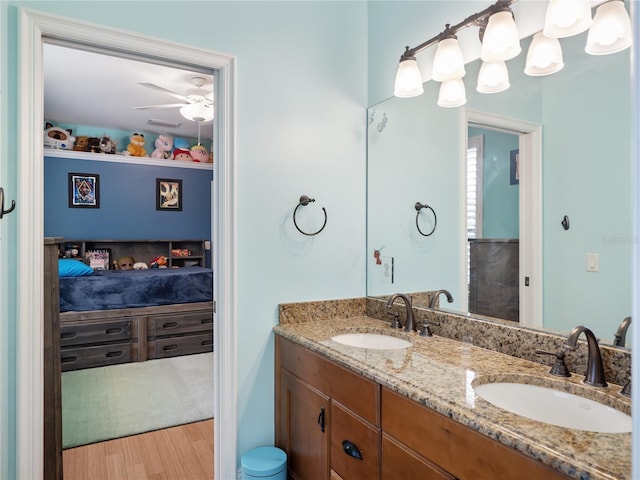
592,262
387,270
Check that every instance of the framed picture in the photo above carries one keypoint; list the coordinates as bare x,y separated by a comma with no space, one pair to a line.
99,259
84,190
168,194
515,167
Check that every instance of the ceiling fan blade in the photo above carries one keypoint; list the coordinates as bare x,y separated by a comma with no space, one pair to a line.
163,90
168,105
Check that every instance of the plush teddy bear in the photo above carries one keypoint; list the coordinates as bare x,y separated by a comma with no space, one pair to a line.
164,146
107,145
82,144
184,155
199,153
136,147
59,138
140,266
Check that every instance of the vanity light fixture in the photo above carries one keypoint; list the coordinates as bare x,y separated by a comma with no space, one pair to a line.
500,39
408,78
565,18
493,77
452,93
611,29
448,63
544,56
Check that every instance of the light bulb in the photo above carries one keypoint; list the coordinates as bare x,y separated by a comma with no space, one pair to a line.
408,79
493,77
448,63
501,40
544,56
611,29
565,18
452,93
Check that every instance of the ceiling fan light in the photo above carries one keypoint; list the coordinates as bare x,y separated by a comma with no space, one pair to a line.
501,40
565,18
408,79
493,77
448,63
544,56
611,29
197,112
452,94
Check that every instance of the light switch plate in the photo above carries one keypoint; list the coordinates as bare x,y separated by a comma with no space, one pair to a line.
592,262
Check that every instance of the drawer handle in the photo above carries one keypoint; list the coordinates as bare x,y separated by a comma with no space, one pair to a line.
168,348
170,325
321,419
351,449
68,359
67,335
114,354
204,321
206,342
113,331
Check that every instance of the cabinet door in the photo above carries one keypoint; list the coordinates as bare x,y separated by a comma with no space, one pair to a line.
306,432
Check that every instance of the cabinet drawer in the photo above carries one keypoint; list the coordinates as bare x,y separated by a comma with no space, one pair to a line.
97,356
350,434
95,333
179,324
400,462
173,347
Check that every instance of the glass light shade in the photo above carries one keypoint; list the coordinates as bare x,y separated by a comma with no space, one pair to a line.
544,56
501,40
408,80
448,63
611,29
493,77
452,93
565,18
197,112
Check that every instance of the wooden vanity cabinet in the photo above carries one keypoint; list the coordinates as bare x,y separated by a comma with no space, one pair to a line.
461,451
312,393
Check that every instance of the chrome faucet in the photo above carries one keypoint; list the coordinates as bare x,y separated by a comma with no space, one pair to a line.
619,337
595,370
434,298
410,324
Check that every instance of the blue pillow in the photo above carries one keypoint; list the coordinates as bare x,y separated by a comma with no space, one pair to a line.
68,267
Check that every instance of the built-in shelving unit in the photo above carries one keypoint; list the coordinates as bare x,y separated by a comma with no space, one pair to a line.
103,157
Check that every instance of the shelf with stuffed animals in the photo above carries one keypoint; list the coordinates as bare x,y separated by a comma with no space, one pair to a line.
140,148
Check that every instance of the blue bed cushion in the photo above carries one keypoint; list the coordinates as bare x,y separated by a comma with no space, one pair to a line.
68,267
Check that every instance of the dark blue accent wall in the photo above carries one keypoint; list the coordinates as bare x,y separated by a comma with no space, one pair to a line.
127,202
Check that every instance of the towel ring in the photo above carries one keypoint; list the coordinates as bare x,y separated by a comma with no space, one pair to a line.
304,201
419,206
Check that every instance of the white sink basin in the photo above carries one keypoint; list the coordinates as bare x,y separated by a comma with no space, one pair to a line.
371,340
555,407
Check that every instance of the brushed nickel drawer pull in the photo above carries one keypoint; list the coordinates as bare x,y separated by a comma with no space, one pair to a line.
168,348
114,354
170,325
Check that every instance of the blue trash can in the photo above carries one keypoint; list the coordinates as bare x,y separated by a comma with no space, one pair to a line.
264,463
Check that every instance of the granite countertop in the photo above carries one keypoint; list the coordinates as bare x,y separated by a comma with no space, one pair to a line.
440,373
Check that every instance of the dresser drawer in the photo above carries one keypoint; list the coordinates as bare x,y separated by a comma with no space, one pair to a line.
355,444
95,333
98,356
180,324
173,347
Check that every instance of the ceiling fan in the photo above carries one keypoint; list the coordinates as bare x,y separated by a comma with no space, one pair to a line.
197,104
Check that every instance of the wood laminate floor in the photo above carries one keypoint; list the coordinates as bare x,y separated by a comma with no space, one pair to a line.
178,453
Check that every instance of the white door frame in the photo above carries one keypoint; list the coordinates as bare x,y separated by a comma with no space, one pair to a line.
530,197
33,27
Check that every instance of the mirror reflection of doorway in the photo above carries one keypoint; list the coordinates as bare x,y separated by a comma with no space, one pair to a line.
492,222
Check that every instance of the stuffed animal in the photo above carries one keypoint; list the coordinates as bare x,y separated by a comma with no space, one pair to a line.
158,262
184,155
199,153
125,263
94,145
180,143
107,145
140,266
164,146
59,138
136,147
82,144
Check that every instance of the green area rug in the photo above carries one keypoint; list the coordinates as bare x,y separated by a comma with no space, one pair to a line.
120,400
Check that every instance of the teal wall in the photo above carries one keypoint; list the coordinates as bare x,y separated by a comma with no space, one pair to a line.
500,201
300,123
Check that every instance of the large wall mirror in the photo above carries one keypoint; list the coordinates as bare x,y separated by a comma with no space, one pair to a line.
417,152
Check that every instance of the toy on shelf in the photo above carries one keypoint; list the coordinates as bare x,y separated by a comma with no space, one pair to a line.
199,153
59,138
184,155
93,145
140,266
136,146
82,143
125,263
158,262
164,146
107,145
